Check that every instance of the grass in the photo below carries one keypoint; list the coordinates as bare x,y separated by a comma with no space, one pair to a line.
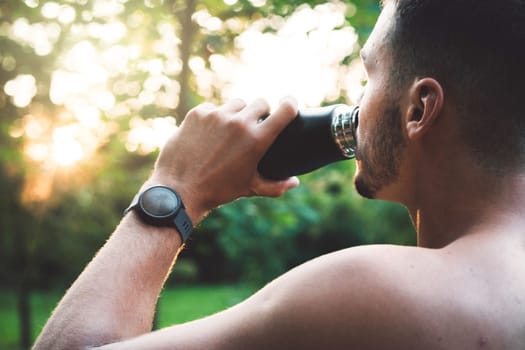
176,305
190,303
41,306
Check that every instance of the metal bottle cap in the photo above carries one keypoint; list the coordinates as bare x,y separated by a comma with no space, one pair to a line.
344,126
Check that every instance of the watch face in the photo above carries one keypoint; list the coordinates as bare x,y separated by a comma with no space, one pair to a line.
159,202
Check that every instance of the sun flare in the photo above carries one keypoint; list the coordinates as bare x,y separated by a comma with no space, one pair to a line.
65,150
108,82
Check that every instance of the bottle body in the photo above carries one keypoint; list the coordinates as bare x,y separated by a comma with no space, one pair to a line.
315,138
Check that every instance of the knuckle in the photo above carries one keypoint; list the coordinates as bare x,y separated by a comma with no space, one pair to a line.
192,113
238,102
215,115
237,124
199,111
262,105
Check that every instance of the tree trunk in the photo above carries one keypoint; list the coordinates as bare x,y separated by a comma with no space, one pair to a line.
187,35
22,286
24,315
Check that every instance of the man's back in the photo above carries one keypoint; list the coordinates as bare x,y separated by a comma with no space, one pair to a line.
467,295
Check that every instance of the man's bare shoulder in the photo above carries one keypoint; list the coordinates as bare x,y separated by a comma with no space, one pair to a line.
383,296
374,264
346,297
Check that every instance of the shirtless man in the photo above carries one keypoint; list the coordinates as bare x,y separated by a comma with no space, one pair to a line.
441,131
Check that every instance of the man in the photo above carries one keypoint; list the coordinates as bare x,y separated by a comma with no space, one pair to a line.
441,131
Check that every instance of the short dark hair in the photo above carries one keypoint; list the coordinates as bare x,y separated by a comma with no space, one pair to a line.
476,50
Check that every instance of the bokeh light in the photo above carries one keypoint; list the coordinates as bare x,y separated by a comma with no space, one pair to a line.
105,72
302,58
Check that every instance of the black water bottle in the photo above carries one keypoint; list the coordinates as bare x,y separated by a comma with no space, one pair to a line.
315,138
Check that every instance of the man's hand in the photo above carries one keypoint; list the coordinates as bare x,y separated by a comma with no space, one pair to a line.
212,158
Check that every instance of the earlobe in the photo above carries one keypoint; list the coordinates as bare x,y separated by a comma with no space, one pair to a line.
426,102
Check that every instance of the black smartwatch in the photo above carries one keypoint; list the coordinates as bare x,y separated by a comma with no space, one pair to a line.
162,206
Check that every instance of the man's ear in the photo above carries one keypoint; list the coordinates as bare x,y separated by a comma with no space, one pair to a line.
426,103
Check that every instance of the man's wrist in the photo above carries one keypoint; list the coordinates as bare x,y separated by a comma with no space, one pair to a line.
188,197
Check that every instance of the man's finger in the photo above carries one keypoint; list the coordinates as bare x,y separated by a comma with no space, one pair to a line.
201,109
255,110
269,188
234,105
278,120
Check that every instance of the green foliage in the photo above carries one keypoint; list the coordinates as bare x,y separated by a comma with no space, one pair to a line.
364,17
257,235
255,238
264,237
46,242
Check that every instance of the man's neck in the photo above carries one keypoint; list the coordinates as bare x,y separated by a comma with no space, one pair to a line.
448,208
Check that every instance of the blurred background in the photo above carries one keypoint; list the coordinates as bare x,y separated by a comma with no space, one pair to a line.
89,91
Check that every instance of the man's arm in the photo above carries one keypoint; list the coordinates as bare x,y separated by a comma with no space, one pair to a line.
114,298
212,159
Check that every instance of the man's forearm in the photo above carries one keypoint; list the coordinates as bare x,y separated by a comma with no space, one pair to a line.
114,298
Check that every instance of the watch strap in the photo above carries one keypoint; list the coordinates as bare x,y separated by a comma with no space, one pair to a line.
183,224
134,203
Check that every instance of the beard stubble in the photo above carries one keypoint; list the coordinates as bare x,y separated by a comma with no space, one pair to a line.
379,160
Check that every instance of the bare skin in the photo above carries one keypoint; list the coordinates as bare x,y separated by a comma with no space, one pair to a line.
463,287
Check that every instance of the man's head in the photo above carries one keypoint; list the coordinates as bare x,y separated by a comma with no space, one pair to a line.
475,51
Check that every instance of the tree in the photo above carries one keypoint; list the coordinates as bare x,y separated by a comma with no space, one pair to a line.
89,90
